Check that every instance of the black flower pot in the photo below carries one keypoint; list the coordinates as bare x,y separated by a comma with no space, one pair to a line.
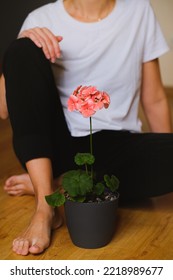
91,225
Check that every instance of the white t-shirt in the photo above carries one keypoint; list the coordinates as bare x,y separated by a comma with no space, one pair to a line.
107,54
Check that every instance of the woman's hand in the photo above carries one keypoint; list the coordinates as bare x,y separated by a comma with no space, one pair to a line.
45,39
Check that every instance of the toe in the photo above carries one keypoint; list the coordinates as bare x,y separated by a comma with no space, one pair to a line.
36,249
15,190
10,181
25,249
21,246
15,245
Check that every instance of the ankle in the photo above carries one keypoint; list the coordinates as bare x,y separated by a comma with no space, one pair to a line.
45,209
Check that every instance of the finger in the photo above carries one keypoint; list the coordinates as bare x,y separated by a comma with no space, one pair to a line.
55,42
59,38
39,39
31,35
47,40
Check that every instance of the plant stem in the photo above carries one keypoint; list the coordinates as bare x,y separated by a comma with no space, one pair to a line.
91,147
91,140
86,169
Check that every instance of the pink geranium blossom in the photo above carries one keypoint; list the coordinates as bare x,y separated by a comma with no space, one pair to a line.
87,100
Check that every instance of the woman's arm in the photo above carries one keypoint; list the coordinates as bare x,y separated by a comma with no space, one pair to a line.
45,39
3,103
153,98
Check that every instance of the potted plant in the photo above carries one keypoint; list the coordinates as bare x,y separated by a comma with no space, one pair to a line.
90,206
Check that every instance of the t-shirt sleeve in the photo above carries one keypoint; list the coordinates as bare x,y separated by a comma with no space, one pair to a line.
155,44
28,23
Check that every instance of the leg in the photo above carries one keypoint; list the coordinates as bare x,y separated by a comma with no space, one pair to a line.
141,161
36,238
148,166
33,104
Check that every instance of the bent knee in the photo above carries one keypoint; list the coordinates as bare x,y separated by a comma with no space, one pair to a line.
21,49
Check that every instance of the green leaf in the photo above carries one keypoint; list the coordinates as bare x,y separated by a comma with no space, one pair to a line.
77,183
84,158
78,199
112,182
99,188
55,199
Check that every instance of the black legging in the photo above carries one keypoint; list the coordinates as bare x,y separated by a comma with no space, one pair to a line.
141,161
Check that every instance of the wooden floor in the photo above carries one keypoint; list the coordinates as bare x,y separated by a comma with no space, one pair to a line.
144,230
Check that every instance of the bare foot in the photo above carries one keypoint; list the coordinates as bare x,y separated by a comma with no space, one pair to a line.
19,185
36,238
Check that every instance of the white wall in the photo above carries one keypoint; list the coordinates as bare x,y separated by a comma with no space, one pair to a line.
164,12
